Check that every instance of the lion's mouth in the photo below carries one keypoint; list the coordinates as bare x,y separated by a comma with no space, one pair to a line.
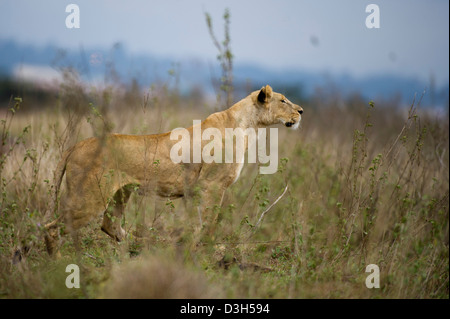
292,124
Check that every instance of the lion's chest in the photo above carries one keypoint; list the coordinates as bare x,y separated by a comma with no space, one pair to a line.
238,170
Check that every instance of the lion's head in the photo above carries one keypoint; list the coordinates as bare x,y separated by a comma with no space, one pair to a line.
276,108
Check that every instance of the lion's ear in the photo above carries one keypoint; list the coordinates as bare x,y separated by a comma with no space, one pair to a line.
265,94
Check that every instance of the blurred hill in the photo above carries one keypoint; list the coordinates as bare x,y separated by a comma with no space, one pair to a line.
42,65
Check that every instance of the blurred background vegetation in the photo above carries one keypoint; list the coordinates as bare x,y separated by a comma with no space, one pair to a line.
368,183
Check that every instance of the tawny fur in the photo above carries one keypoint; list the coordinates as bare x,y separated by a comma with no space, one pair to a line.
102,172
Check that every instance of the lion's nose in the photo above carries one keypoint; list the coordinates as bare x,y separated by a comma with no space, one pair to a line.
300,111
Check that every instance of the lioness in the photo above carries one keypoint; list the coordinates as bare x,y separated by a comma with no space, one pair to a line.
101,173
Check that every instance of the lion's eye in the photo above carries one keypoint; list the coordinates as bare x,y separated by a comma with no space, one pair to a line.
283,101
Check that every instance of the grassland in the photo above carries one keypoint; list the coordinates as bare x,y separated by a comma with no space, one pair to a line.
368,183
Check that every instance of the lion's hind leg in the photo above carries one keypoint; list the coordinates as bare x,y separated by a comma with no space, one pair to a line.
112,216
69,222
51,237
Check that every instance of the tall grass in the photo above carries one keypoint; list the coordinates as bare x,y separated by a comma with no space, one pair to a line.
360,183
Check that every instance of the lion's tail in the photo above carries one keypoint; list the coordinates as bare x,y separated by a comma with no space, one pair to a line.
57,179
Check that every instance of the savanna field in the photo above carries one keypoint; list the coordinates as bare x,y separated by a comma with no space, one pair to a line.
361,182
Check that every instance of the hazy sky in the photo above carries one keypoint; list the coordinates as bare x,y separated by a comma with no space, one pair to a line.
311,35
